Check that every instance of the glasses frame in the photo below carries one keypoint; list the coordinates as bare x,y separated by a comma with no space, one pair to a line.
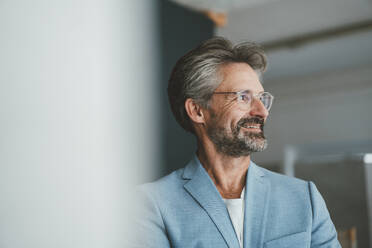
239,93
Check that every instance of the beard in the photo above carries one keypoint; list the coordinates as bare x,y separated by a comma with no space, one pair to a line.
237,143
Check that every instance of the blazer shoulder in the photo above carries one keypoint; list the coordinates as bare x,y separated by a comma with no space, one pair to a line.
283,179
163,186
282,183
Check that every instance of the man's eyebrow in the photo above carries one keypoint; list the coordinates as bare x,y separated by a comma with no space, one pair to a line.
239,90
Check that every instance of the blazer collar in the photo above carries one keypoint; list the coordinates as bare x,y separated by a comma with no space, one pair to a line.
202,189
256,195
256,204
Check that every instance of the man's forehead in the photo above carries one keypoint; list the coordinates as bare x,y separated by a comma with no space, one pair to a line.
239,76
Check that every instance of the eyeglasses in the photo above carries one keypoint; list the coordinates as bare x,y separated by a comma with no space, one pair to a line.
245,98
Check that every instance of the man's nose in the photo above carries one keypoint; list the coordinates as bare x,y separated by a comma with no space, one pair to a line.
258,109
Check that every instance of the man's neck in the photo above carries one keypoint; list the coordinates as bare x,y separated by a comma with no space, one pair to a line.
228,173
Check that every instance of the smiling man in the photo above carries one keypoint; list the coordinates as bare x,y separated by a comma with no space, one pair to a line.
221,198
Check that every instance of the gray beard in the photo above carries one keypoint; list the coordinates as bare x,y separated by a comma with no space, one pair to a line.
236,143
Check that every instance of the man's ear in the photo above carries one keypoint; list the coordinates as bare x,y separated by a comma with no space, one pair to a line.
194,111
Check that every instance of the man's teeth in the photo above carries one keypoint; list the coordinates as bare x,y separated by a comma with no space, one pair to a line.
252,127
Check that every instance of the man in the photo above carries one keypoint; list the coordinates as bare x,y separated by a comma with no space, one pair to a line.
221,198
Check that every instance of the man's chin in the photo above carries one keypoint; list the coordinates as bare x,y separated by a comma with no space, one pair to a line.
255,142
258,146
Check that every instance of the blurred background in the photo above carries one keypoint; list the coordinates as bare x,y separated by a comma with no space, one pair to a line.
85,115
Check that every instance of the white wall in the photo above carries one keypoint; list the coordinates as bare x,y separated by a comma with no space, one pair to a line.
335,106
78,119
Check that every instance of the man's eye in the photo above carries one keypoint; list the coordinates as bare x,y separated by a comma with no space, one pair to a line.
244,97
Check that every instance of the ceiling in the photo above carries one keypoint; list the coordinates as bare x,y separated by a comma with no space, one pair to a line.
334,34
280,19
301,37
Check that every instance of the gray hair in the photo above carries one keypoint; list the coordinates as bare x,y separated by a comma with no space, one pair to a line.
196,74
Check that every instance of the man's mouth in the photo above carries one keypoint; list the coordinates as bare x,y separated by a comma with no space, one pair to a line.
253,124
253,127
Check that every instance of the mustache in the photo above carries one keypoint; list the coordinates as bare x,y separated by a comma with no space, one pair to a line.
244,122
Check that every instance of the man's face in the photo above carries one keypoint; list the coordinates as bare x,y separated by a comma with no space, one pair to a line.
235,128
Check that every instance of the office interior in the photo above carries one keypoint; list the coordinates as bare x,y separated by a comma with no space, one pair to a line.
85,114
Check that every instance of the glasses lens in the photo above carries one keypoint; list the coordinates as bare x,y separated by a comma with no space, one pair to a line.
267,100
245,97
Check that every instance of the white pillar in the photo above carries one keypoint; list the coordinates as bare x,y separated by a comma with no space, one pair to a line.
78,118
368,178
289,161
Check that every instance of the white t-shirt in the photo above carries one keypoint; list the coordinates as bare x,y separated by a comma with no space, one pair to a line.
236,212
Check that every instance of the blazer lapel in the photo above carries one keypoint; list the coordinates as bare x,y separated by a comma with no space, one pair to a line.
202,189
256,202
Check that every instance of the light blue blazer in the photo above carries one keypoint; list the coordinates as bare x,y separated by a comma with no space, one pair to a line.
184,209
